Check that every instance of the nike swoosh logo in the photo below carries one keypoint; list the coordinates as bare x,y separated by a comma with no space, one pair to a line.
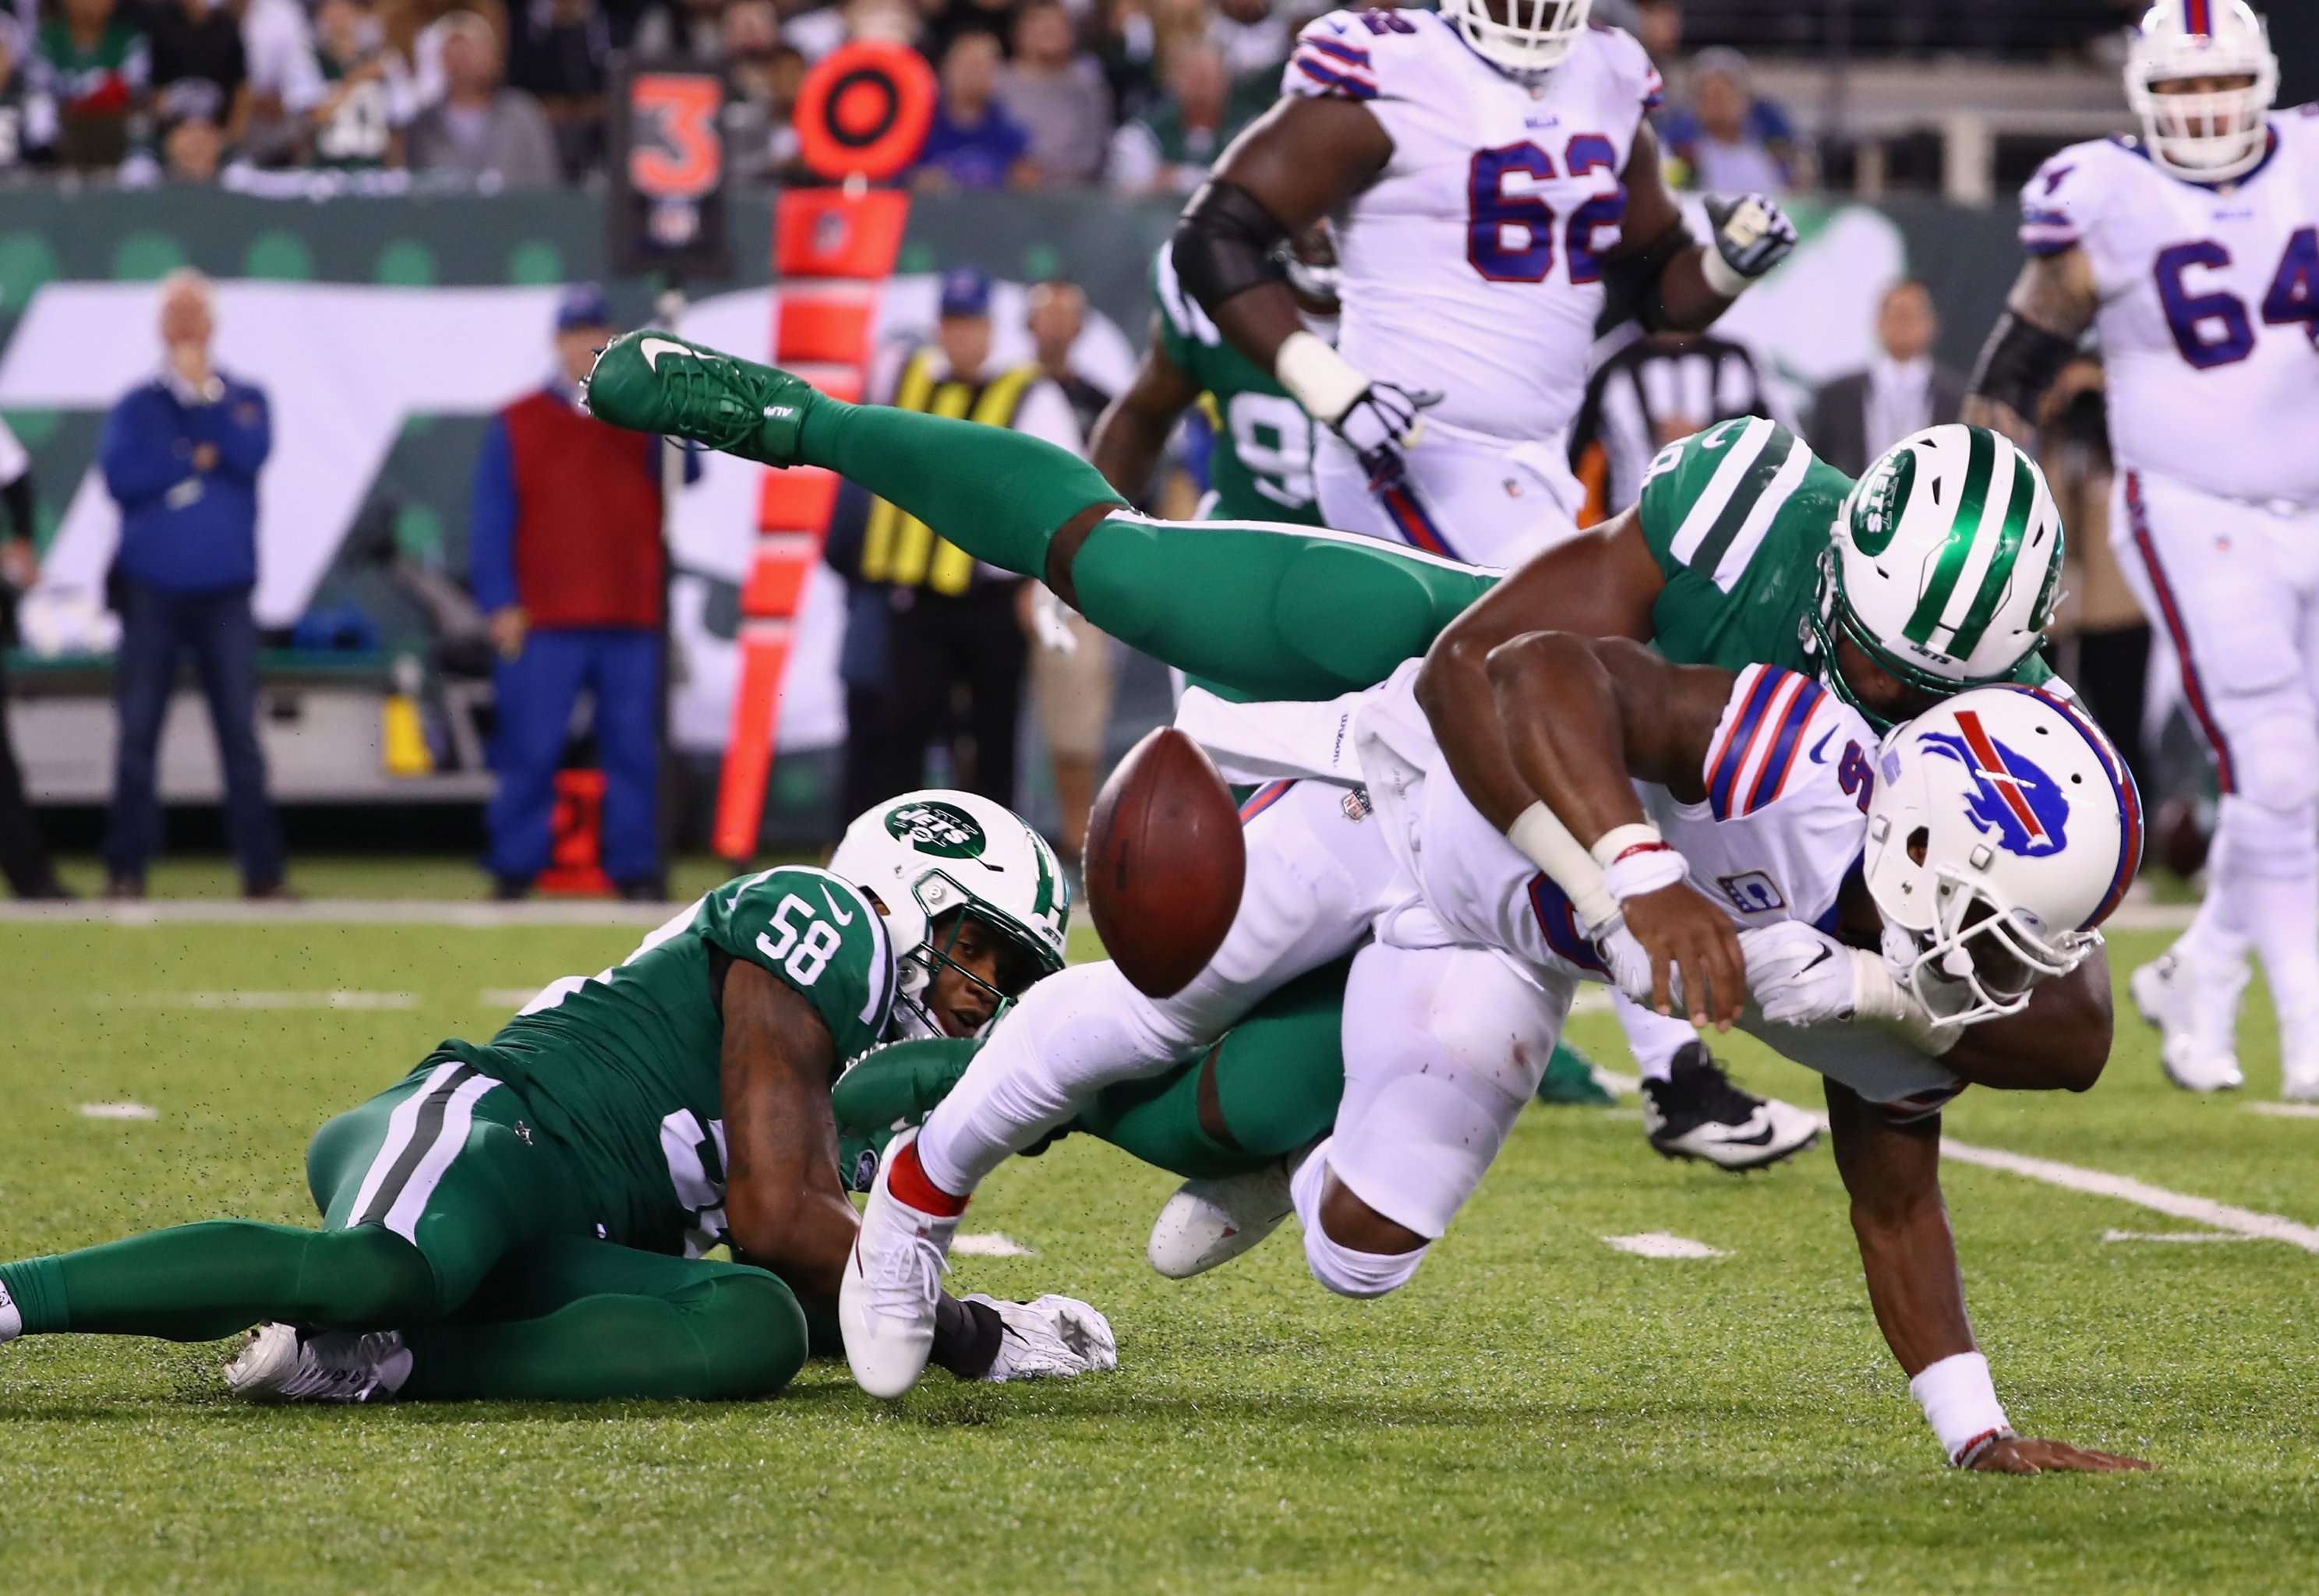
1818,959
1759,1139
1819,749
652,349
843,918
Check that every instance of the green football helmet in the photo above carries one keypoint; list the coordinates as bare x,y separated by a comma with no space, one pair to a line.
928,855
1943,565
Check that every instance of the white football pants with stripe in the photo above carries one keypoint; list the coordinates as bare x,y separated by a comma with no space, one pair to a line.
2235,588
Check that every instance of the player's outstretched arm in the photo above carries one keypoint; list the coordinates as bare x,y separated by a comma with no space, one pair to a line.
1132,430
2053,301
784,1205
1891,1173
1600,584
2059,1044
1584,718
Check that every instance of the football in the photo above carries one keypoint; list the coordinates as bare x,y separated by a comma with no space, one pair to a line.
1164,863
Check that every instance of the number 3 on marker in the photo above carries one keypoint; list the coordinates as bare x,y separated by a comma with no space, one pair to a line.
676,154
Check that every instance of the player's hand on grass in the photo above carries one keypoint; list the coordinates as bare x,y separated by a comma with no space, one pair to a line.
1689,939
1052,1337
2024,1454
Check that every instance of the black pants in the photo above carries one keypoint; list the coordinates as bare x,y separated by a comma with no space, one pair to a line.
2112,677
23,855
938,650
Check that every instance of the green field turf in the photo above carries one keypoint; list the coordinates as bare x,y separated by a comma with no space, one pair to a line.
1537,1412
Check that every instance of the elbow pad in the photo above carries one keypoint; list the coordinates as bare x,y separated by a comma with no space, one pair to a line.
2018,363
1224,244
1631,282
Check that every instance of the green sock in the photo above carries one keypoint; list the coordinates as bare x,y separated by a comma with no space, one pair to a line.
1000,495
738,1335
199,1282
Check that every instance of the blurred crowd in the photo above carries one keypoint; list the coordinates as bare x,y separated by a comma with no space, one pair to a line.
296,96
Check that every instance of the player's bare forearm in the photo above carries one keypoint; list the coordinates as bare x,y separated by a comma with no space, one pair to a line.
1584,718
1689,304
1132,430
1685,302
784,1206
1891,1173
1601,584
2059,1044
1300,161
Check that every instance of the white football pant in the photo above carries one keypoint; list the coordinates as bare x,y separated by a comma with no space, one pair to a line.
1444,1047
2235,588
1465,496
1318,867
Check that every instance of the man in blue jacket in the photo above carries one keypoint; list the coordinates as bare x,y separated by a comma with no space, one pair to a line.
181,456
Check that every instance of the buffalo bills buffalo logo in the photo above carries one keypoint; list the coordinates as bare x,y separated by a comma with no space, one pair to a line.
2021,804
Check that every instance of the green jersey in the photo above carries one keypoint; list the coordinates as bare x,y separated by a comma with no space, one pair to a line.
1738,518
624,1068
1261,467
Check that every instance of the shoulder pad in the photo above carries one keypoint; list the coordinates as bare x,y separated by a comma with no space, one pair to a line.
1777,726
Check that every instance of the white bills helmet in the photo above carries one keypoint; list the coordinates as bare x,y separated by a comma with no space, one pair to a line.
1533,35
926,853
1944,563
2002,829
2209,135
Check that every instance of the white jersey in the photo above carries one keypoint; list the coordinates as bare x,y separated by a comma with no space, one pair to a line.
1783,824
2209,308
1472,266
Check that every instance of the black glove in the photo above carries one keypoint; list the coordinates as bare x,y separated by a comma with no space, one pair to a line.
1752,236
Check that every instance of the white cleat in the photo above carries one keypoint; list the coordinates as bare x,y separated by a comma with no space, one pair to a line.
283,1364
2196,1020
892,1281
12,1317
1700,1113
1208,1222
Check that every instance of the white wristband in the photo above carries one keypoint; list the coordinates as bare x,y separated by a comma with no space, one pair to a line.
1879,998
1611,844
1647,869
1960,1402
1719,275
1322,380
1539,836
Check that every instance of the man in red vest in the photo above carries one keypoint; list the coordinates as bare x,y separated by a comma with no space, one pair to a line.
565,545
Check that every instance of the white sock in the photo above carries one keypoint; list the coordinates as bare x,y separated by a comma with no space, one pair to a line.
1070,1036
1347,1272
2267,872
1654,1038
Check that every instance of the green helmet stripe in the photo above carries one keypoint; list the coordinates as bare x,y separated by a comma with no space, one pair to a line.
2000,575
1964,529
1742,503
1046,901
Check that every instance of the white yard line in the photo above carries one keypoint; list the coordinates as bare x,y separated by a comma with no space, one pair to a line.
119,1111
989,1244
257,1000
339,911
2174,1236
2285,1111
1660,1244
2097,1183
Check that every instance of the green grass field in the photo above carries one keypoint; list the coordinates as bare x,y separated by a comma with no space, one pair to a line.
1538,1413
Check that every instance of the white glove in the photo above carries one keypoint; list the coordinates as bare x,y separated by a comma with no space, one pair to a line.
1053,1336
1799,975
1752,236
1050,621
1630,965
1377,421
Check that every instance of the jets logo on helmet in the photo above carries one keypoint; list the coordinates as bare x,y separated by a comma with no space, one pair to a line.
1943,565
2024,805
2204,134
935,859
934,827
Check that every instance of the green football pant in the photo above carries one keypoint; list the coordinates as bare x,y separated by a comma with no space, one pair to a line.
440,1204
1271,611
